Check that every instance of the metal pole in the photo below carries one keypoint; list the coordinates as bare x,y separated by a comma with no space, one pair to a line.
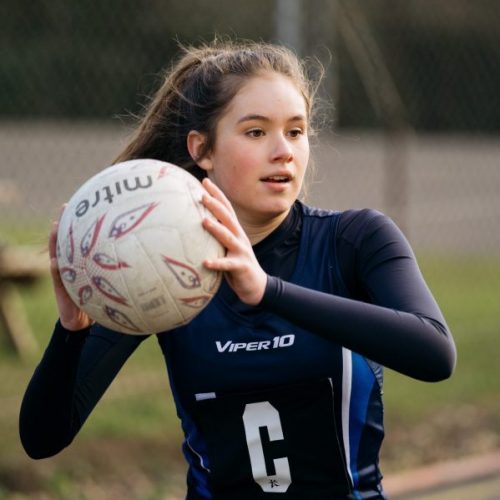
288,24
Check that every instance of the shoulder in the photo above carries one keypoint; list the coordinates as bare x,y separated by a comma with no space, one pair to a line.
346,217
368,237
358,228
316,213
320,226
355,223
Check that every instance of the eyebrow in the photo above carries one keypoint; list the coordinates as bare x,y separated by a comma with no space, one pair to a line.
252,117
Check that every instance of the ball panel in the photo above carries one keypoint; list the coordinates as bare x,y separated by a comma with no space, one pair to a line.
181,277
150,295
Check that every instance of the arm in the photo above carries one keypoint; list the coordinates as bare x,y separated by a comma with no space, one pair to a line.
398,324
394,320
78,365
76,369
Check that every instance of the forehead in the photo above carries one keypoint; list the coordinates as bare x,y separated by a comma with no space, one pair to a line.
269,93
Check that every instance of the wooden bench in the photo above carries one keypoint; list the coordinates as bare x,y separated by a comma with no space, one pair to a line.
19,266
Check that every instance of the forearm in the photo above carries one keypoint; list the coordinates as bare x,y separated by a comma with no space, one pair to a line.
409,343
45,421
74,373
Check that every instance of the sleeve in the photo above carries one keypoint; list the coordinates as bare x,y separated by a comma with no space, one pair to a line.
396,323
75,371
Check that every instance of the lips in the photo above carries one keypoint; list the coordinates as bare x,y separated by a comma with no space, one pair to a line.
277,178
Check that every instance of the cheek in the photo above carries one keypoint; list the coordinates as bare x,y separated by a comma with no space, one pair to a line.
234,173
305,152
239,163
302,157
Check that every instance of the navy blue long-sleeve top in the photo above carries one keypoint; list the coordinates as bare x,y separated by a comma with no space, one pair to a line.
372,301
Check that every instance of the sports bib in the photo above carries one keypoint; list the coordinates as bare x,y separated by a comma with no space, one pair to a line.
276,443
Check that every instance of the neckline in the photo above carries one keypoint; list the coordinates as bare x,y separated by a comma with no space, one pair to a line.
279,235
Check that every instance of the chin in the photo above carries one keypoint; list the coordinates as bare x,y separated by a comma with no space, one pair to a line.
275,209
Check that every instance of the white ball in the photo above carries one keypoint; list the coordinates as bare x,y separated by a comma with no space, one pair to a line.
130,247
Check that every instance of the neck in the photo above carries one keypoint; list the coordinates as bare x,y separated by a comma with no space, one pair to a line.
258,230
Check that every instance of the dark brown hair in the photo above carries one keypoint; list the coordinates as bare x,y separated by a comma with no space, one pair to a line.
197,90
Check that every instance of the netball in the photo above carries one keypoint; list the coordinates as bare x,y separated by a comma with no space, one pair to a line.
131,244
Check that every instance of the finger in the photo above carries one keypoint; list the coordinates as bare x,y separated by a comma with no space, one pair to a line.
61,210
53,240
54,271
225,236
221,213
222,264
217,193
53,233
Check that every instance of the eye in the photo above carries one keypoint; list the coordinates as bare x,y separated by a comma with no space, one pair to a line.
255,132
295,132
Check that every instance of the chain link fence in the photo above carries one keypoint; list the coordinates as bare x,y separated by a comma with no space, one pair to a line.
410,98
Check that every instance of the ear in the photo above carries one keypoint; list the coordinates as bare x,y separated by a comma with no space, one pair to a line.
195,142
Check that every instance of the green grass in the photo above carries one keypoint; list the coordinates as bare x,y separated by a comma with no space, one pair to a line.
424,422
25,232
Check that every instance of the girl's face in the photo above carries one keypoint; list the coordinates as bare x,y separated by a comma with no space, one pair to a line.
261,149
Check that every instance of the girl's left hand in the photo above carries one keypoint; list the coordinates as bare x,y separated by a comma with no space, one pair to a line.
242,270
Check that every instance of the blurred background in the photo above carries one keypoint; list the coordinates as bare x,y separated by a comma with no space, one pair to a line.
410,126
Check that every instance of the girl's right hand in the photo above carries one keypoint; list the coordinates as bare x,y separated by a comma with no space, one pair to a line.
70,315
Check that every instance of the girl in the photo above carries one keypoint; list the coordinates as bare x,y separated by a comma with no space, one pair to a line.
278,381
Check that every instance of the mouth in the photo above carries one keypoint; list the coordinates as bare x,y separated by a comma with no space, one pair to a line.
279,179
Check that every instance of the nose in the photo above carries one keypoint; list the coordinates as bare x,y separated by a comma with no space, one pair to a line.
282,151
